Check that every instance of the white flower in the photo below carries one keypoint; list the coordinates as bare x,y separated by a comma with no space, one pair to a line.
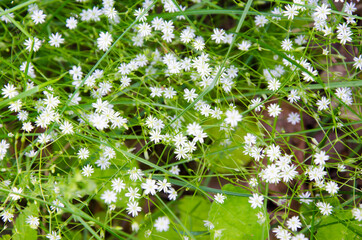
282,233
110,12
344,33
33,222
294,223
87,170
172,194
23,115
14,195
357,213
257,153
56,205
53,236
219,198
103,163
293,96
291,11
7,216
345,94
135,226
118,185
316,173
71,23
56,39
163,185
300,236
167,27
104,41
332,187
321,12
76,72
273,84
325,208
156,136
108,152
133,208
149,186
132,193
300,40
199,43
233,117
274,110
249,139
29,44
288,173
135,174
190,95
109,196
66,127
175,170
293,118
141,14
83,153
99,121
7,17
144,29
162,224
157,23
271,174
208,224
187,35
260,20
27,126
199,137
244,45
253,182
9,91
218,36
287,45
38,16
256,200
256,104
358,62
321,158
323,103
169,92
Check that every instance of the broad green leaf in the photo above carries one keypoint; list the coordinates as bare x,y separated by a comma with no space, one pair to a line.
236,218
22,230
226,158
6,237
340,225
193,211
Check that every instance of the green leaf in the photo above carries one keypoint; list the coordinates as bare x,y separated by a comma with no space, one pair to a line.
22,230
236,218
228,158
340,225
193,211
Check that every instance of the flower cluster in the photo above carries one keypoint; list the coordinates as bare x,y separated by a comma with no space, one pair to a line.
113,104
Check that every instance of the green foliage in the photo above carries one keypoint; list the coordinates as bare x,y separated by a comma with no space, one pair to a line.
22,230
340,225
225,156
193,210
181,100
236,218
